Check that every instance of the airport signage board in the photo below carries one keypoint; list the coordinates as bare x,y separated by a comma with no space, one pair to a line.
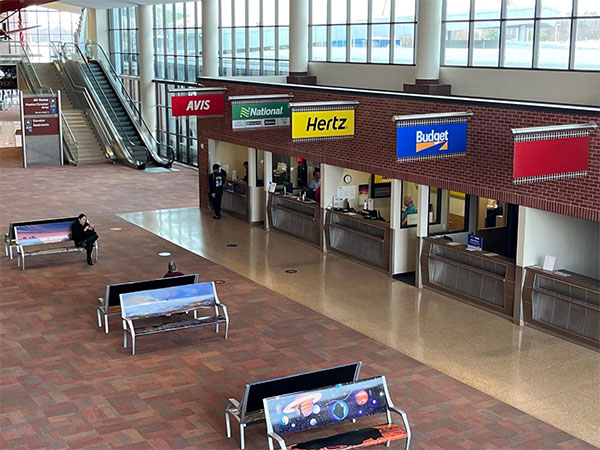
260,115
550,159
212,104
317,125
431,141
41,126
38,106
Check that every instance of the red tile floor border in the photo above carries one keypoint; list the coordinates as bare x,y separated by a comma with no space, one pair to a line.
64,383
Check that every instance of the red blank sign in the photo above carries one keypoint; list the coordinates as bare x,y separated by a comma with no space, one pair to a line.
198,105
550,157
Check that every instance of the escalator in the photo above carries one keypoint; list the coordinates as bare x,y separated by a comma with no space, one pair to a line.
116,111
132,140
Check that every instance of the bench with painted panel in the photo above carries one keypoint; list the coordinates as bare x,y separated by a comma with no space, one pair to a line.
10,241
49,237
110,305
160,310
327,407
250,410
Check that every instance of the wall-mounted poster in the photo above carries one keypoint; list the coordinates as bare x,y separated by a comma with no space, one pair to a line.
8,77
381,187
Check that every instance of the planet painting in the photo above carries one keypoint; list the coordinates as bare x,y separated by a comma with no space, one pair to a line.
361,397
303,404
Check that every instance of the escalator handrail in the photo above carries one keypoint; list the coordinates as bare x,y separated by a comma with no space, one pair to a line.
90,104
123,136
130,102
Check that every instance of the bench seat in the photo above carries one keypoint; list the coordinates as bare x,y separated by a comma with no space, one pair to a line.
364,437
54,251
178,325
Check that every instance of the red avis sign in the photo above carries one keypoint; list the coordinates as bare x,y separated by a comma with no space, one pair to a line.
198,105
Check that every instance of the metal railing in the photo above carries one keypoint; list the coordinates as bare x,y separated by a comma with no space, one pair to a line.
33,80
96,52
91,111
71,51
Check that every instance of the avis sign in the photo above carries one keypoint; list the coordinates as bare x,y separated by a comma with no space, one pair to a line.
198,105
317,125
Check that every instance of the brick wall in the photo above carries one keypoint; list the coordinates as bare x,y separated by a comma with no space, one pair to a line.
485,171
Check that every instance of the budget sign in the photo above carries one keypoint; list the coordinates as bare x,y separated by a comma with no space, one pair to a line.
426,141
198,105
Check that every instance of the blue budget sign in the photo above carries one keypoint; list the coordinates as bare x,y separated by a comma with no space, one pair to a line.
426,141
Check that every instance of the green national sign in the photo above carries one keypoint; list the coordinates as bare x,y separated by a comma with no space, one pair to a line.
260,115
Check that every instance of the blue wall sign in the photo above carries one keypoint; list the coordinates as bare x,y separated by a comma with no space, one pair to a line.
430,141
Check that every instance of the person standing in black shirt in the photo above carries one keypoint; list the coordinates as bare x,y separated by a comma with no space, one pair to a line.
216,182
84,235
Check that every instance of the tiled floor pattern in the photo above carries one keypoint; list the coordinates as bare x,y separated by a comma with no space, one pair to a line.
66,384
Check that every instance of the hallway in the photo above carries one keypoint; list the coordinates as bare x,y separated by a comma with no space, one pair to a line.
525,368
65,383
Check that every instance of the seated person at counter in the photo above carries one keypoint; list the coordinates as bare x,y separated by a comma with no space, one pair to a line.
245,178
316,180
410,209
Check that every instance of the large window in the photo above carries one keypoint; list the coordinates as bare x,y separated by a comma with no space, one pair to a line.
254,37
362,31
178,41
541,34
52,25
179,132
124,54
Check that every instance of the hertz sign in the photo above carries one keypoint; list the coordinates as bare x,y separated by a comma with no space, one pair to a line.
318,125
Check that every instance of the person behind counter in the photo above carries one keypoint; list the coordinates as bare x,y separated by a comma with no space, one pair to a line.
216,182
316,180
410,209
245,178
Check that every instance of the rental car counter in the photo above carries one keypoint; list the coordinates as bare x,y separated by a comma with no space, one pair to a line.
481,278
235,199
296,217
353,235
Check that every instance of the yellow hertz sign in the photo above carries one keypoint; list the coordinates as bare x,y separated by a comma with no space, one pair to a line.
320,124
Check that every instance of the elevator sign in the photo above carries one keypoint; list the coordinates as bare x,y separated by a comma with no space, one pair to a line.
198,105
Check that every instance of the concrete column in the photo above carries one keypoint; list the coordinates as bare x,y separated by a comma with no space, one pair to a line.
210,38
146,65
429,33
299,43
422,229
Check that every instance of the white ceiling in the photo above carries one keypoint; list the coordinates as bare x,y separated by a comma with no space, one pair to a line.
102,4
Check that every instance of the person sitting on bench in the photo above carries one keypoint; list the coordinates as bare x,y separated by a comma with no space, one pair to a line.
84,236
172,271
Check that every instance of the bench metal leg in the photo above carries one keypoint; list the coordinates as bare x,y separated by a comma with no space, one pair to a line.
106,323
10,252
242,436
99,318
226,329
96,250
132,344
227,425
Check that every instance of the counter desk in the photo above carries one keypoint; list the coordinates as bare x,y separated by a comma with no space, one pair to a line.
368,241
235,199
563,302
483,278
301,219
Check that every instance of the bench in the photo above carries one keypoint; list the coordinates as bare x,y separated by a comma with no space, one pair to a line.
160,310
250,410
110,305
10,242
319,408
47,237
